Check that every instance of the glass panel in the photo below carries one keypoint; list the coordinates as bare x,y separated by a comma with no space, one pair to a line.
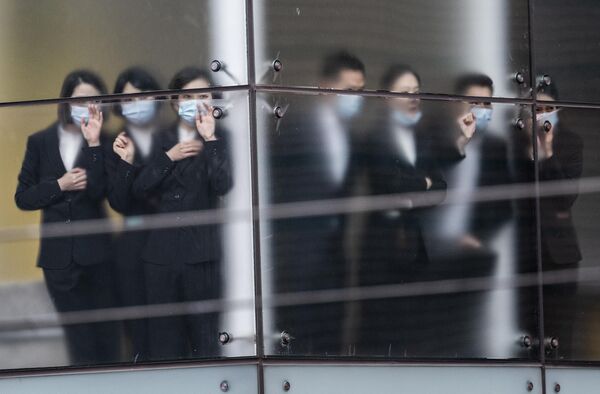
391,234
239,380
572,380
136,246
569,170
41,42
369,379
567,48
440,39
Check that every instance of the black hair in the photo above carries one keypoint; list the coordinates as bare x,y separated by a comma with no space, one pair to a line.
395,72
74,79
548,89
339,61
464,82
139,78
189,74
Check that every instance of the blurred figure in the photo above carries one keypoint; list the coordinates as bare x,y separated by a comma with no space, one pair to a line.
63,176
312,159
560,158
398,160
461,235
189,170
132,149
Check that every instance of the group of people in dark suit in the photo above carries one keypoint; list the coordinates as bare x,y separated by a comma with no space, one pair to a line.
71,168
334,149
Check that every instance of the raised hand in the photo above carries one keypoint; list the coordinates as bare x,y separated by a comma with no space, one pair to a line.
91,127
467,125
205,124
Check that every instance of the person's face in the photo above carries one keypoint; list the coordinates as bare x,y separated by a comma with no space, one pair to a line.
198,83
540,109
348,80
406,83
84,90
479,91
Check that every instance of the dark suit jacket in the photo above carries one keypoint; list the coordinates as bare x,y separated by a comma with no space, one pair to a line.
487,217
394,249
192,184
38,189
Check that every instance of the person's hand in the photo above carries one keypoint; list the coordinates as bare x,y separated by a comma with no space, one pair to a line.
123,146
76,179
467,125
205,124
184,150
544,143
470,242
91,127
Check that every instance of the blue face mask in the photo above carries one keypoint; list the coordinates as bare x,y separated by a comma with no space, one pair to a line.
483,116
139,112
79,114
348,106
551,117
188,110
406,120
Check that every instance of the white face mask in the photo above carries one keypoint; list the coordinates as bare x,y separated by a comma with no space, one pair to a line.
79,114
544,117
139,112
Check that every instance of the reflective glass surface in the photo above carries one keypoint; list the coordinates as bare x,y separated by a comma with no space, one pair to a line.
124,207
397,231
43,41
442,39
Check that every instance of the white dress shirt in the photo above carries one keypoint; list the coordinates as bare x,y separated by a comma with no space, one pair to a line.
185,135
405,141
142,138
69,143
336,144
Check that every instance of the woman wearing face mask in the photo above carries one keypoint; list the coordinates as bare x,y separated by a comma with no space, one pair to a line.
63,176
132,150
398,161
189,171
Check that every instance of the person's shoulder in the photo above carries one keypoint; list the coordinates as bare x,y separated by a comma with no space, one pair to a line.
40,135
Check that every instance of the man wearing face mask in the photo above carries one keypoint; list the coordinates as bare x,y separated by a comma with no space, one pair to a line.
397,160
460,236
311,159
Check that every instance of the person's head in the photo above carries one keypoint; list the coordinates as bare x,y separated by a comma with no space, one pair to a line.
138,110
477,85
344,71
545,111
401,78
187,104
79,83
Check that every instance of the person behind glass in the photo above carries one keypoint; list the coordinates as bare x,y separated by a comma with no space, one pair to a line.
63,176
312,160
132,149
189,171
560,158
460,236
397,160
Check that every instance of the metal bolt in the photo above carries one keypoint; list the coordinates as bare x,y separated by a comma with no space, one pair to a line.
519,77
277,65
278,111
286,338
217,113
547,126
529,386
557,388
286,386
520,124
224,338
216,65
546,80
554,343
224,386
526,341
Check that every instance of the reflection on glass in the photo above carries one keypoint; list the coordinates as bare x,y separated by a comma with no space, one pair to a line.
395,275
439,38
